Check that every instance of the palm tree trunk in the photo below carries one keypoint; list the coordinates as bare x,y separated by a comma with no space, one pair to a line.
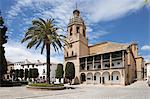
48,62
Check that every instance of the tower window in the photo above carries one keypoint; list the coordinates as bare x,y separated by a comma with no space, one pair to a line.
43,70
117,78
70,45
112,64
71,31
83,32
72,53
67,54
78,30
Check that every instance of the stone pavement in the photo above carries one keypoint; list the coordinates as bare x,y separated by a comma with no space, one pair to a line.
137,90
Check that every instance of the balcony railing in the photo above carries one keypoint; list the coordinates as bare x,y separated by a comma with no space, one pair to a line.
72,56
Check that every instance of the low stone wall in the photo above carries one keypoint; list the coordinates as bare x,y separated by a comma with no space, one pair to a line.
47,88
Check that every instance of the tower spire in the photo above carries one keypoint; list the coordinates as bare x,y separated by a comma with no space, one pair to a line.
76,6
0,12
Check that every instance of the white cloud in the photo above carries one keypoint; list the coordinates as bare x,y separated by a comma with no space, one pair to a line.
18,52
106,10
93,12
147,58
145,47
98,34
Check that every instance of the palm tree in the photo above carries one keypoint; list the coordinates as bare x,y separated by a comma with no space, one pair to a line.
44,32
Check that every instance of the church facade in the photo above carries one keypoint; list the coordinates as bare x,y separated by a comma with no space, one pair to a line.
102,63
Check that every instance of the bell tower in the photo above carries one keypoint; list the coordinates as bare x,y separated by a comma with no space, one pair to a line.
76,36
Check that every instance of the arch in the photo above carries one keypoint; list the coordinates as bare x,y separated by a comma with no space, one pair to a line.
97,78
106,78
83,77
89,78
116,77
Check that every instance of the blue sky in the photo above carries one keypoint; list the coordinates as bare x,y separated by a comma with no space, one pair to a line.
123,21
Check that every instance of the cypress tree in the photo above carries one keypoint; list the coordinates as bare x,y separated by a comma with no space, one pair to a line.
3,63
59,72
70,71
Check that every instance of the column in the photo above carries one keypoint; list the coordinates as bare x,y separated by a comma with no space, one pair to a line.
110,60
93,63
93,79
101,61
85,63
123,58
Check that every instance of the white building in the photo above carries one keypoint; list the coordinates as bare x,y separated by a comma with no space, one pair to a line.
42,67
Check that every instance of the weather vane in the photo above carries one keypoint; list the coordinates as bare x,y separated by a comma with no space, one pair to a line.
76,5
0,12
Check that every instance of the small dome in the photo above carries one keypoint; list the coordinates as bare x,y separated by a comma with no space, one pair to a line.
76,12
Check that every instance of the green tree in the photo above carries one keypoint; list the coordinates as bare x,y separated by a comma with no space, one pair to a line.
3,37
59,72
16,74
26,74
70,71
44,32
21,73
33,73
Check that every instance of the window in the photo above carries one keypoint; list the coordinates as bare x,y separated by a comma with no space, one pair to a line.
67,54
97,58
7,76
118,63
72,53
90,59
88,78
28,66
117,54
71,31
33,66
87,67
78,29
83,32
112,64
117,78
43,77
100,79
111,77
99,66
43,70
70,45
94,77
106,56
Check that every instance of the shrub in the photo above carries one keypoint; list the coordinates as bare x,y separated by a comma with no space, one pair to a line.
59,72
21,73
70,71
26,74
45,85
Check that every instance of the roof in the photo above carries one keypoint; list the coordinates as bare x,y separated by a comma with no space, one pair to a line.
107,47
147,63
9,63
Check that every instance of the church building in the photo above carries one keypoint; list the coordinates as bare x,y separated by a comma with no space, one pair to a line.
108,63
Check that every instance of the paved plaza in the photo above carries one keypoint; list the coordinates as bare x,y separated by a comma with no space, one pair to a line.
138,90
